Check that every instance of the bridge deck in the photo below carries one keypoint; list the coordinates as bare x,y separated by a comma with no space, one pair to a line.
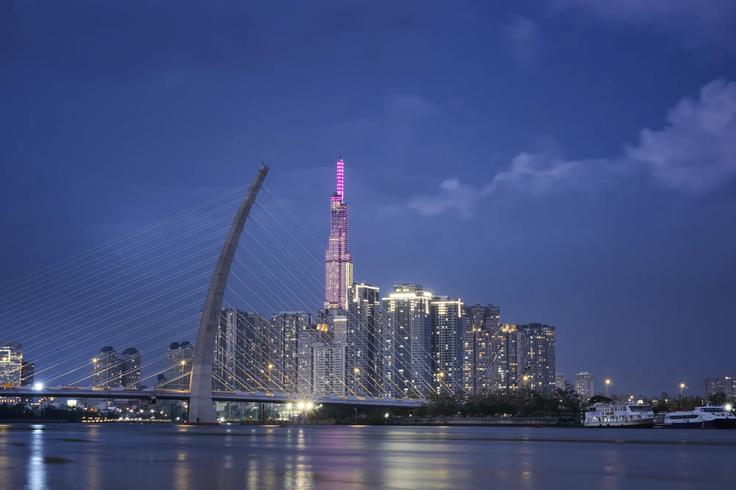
217,396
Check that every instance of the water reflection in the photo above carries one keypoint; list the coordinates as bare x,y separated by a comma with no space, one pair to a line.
266,458
36,468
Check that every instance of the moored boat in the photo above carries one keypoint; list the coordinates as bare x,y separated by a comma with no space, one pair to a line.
618,415
705,417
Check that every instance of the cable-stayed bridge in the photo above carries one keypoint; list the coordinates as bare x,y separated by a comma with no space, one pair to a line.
256,338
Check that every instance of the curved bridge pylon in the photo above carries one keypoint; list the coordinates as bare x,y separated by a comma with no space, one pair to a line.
201,404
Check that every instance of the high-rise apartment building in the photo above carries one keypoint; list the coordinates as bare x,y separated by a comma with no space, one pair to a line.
245,353
28,372
508,355
539,364
130,369
338,259
524,358
406,342
284,341
179,366
447,344
481,322
11,364
584,385
363,341
328,368
560,381
106,369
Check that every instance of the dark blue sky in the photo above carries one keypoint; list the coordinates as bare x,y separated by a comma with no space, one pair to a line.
568,160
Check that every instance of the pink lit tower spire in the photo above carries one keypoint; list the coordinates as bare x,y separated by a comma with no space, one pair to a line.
338,259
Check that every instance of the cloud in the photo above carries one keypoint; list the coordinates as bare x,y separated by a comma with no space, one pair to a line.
695,152
452,196
524,39
694,23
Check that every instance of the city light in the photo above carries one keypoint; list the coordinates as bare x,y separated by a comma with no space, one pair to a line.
728,407
37,386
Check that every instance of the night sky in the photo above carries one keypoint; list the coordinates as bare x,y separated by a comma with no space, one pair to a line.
572,161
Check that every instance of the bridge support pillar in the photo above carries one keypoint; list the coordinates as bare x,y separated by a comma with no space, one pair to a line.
201,406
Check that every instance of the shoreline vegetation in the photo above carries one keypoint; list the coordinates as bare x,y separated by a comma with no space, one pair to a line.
561,408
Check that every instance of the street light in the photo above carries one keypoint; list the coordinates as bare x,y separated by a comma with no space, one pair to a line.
682,387
607,382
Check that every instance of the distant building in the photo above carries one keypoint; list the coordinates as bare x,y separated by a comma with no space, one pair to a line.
481,322
130,369
179,367
406,342
328,368
725,385
524,358
448,332
244,349
584,385
28,372
307,340
560,381
508,346
539,363
106,369
322,354
363,341
11,364
285,328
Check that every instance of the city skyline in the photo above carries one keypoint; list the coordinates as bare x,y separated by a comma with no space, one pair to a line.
491,155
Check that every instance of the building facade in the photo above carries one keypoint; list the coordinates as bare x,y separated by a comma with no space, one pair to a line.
481,322
507,350
11,364
130,369
363,341
106,369
539,357
338,259
285,333
179,366
524,358
584,385
406,342
245,353
448,332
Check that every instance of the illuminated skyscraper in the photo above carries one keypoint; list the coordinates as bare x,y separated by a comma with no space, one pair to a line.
524,358
363,355
130,369
406,340
481,324
584,385
284,343
244,350
11,362
179,362
539,366
338,259
106,369
447,344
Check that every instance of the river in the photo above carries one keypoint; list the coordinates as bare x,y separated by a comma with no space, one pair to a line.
111,456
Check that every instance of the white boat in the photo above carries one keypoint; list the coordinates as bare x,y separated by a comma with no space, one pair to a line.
705,417
619,415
